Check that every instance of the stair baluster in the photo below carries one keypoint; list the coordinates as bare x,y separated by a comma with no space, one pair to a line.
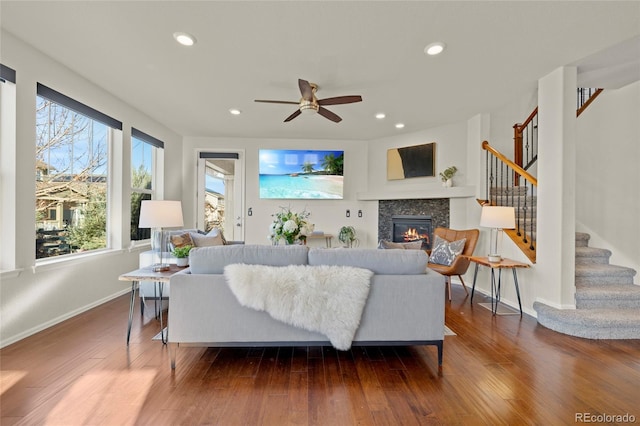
504,189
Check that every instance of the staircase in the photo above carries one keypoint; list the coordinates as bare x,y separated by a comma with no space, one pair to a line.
510,185
607,300
519,197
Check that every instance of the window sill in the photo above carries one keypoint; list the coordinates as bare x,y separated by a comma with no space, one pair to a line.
141,245
61,262
10,273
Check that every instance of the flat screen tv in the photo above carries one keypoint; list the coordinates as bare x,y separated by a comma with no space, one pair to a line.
301,174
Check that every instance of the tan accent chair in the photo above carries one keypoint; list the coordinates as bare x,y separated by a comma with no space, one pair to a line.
461,263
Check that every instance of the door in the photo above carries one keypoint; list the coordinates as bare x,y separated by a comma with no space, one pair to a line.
221,193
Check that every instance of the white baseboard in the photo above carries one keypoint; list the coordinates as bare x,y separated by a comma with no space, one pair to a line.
66,316
555,305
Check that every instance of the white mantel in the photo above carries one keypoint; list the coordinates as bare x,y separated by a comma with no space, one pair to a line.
427,193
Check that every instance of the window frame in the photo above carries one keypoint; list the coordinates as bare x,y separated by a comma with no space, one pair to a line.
112,127
156,166
8,167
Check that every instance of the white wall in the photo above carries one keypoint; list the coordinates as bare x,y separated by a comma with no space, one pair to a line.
450,151
608,174
327,215
556,193
34,297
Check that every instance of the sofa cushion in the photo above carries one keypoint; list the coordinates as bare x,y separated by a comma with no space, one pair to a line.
413,245
212,260
381,262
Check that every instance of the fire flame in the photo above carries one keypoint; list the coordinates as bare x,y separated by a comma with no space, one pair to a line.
412,235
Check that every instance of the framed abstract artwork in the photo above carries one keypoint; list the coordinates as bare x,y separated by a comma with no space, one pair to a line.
411,161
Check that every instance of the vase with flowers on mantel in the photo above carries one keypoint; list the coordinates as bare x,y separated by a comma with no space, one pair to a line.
447,176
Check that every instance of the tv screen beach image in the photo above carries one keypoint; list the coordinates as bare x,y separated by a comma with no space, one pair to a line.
301,174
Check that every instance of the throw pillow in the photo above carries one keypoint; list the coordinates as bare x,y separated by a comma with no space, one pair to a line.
445,252
413,245
207,240
181,240
215,232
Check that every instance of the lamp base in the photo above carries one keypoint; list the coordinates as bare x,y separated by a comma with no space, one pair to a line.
494,258
160,267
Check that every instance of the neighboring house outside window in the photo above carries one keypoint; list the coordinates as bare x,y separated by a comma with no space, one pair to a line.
144,168
72,175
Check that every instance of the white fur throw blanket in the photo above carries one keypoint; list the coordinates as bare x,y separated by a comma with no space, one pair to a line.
325,299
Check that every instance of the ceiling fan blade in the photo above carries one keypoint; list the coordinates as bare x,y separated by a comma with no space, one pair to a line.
277,102
292,116
305,90
328,114
340,100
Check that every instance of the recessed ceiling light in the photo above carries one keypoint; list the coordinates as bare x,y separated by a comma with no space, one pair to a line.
184,39
235,111
434,48
380,115
399,125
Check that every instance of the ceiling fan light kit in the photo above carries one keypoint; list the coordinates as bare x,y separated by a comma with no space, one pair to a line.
310,104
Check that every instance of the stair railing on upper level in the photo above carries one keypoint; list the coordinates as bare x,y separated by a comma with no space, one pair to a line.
504,175
525,142
525,135
586,95
504,189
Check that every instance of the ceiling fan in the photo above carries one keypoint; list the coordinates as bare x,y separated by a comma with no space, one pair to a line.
309,102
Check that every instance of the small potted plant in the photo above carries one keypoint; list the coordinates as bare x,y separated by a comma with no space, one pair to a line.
347,236
447,175
182,255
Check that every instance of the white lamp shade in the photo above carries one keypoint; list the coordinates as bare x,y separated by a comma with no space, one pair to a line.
498,217
160,214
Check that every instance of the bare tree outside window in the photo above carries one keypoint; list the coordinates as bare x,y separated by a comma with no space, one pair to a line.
71,180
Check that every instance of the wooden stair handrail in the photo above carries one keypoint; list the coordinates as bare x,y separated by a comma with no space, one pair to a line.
522,126
588,102
519,170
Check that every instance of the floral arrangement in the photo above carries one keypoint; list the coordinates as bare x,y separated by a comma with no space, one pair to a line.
290,226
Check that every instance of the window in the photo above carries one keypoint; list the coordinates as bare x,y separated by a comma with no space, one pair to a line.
7,168
144,161
72,175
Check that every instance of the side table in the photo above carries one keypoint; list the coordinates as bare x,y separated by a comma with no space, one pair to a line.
147,274
495,287
327,238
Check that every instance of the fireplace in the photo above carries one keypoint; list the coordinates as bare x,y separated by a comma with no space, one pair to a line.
408,228
435,208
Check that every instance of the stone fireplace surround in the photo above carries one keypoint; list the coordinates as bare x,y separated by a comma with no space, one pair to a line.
437,208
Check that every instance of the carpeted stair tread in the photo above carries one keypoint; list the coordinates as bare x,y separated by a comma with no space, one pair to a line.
590,255
607,300
608,296
508,190
582,239
608,273
611,291
591,323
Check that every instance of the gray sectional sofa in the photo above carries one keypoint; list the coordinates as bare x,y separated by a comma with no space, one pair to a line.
405,305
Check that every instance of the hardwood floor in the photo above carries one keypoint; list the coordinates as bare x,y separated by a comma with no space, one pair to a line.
496,370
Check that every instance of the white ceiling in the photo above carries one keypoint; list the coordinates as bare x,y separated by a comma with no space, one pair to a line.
257,50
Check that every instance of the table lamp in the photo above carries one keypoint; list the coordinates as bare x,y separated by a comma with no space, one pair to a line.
497,218
160,214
